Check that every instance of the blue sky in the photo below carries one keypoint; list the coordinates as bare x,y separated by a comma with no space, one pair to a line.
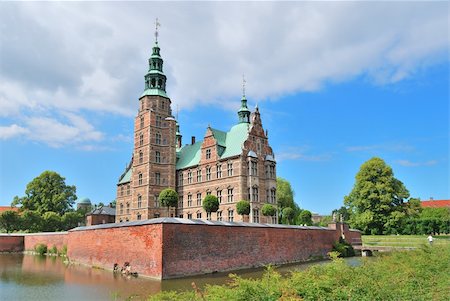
335,86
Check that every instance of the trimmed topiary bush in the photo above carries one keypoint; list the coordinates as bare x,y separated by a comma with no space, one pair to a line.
210,203
268,210
243,207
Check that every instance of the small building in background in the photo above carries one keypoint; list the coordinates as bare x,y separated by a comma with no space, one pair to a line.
101,215
8,208
85,204
435,203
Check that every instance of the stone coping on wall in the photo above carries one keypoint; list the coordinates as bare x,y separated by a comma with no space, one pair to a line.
33,234
176,220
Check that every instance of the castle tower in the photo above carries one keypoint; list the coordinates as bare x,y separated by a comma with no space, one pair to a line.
154,156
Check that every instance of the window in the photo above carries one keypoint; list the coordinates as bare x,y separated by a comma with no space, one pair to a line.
180,202
230,195
180,178
127,220
255,194
189,200
253,168
180,216
270,174
157,157
140,178
208,173
121,190
142,122
273,196
156,201
139,201
199,199
189,177
219,196
208,192
128,189
141,157
156,215
121,209
158,138
189,215
230,215
158,121
219,171
139,217
255,215
157,178
199,175
268,196
128,208
141,139
208,216
199,215
230,168
208,154
219,216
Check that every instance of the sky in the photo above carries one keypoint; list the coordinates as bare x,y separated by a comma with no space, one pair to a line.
337,83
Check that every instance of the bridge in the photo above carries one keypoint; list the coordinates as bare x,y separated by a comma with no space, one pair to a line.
368,250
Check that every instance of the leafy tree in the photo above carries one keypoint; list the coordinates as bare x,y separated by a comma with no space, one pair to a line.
47,192
305,217
211,203
71,220
9,220
413,207
375,196
31,221
288,214
285,194
342,212
243,207
52,221
168,198
268,210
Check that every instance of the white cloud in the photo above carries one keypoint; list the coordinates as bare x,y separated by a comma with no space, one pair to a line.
408,163
7,132
301,154
69,57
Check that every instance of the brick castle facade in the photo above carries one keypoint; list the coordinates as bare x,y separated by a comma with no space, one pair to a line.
234,165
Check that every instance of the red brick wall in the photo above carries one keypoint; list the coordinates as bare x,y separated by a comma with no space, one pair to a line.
141,246
58,239
11,243
196,249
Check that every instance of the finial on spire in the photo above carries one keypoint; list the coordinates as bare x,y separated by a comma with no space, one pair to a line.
157,24
243,85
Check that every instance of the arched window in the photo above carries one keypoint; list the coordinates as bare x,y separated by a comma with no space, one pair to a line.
139,201
141,157
158,138
140,178
141,139
157,157
153,83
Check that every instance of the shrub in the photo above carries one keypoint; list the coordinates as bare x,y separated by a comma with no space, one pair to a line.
343,248
63,251
243,207
211,203
41,249
268,210
168,198
53,250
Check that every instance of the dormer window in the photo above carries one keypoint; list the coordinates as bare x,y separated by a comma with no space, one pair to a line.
208,154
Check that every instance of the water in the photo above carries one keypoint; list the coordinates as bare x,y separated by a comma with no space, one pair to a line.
29,277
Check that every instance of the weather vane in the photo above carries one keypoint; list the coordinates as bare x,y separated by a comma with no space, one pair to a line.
243,85
157,24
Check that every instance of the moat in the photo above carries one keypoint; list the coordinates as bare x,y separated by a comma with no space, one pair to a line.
28,277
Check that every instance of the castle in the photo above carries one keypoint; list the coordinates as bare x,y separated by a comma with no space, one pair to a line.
234,165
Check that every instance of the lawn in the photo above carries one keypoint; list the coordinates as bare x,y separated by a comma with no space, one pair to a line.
404,240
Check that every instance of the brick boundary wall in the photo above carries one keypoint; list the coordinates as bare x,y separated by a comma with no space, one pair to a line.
11,242
165,248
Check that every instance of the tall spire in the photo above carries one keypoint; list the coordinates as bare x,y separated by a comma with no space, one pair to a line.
155,80
244,112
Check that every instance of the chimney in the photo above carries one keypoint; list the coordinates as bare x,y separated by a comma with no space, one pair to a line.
193,140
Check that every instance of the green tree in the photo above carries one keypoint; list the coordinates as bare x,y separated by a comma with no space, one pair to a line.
31,221
9,220
52,221
71,220
413,207
305,217
285,194
288,214
47,192
268,210
211,203
375,196
342,212
243,208
168,198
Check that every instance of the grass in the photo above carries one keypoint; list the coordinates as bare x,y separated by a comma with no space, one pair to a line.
404,240
422,274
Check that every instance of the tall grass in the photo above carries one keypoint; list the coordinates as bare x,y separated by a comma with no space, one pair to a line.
422,274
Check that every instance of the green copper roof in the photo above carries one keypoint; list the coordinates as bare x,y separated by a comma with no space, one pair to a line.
153,92
126,177
230,145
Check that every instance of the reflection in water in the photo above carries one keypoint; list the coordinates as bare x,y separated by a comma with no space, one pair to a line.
28,277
